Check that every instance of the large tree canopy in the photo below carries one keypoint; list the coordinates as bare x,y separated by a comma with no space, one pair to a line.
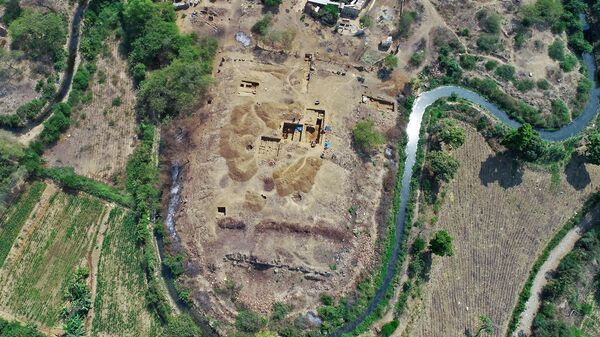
172,90
40,35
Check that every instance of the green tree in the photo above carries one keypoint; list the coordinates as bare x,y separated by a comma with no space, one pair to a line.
451,134
172,90
441,244
182,326
405,25
136,13
556,50
272,3
366,21
485,325
525,142
390,61
365,136
12,10
261,27
40,35
593,148
442,165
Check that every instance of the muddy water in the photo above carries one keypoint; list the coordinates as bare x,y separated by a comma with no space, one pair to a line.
413,130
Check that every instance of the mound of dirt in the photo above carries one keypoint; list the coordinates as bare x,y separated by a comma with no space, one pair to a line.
298,177
254,201
237,143
273,114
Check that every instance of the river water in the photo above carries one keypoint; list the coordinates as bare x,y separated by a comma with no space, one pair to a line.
413,130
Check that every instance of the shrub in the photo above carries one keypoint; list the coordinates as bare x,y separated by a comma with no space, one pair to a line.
547,12
12,10
249,321
40,35
272,3
505,72
519,39
491,65
524,85
488,43
543,84
490,21
261,27
390,61
388,328
568,63
441,244
468,62
451,134
556,50
366,137
182,326
279,311
366,21
442,165
405,25
417,58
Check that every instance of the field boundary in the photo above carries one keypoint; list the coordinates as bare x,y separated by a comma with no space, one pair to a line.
525,293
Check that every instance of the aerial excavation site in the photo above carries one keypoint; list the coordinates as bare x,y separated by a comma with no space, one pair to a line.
299,168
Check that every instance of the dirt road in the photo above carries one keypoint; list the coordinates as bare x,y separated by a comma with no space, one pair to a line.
564,247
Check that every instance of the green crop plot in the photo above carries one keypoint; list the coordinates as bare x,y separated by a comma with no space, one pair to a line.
120,304
15,217
56,243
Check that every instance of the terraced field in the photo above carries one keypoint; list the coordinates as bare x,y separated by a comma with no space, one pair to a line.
55,237
120,305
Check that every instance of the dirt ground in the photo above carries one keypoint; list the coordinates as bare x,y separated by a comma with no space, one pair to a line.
102,133
268,213
500,218
531,61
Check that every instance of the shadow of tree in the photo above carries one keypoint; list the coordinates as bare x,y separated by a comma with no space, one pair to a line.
501,168
577,174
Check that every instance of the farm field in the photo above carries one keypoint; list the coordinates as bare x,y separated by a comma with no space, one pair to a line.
102,132
120,305
500,218
57,236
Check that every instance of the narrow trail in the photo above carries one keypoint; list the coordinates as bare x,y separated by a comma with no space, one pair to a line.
423,101
556,255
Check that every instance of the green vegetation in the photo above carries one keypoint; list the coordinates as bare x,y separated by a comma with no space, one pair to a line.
249,321
366,21
524,85
79,302
556,50
542,84
390,61
274,4
261,27
505,72
101,18
32,283
388,328
485,326
525,142
582,95
12,10
41,36
488,43
468,62
279,311
441,244
442,165
526,290
548,12
491,65
182,326
14,219
449,133
329,14
407,19
366,137
490,21
417,58
16,329
593,148
10,171
560,112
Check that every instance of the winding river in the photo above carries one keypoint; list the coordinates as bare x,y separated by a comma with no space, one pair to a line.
413,130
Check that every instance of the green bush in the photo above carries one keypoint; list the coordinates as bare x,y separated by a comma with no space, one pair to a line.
12,10
405,24
468,62
547,12
524,85
542,84
182,326
249,321
15,329
417,58
366,137
505,72
40,35
366,21
272,3
556,50
388,328
443,166
490,21
261,27
491,65
488,43
568,63
279,311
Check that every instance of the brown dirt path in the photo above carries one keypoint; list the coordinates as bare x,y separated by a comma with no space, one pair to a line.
556,255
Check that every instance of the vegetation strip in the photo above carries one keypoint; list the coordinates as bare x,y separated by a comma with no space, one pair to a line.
525,293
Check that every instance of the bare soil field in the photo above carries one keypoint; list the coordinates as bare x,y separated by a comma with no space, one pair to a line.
102,133
56,238
500,217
